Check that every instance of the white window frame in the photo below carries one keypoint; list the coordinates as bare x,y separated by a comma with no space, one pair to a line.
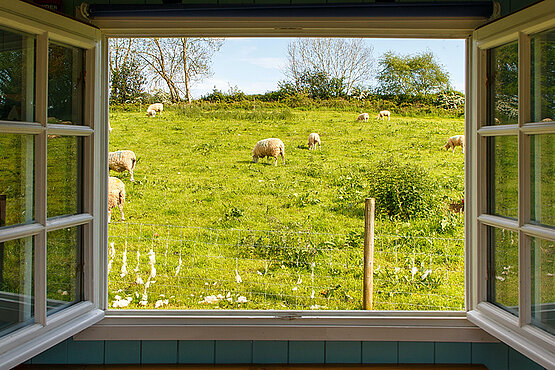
48,330
515,331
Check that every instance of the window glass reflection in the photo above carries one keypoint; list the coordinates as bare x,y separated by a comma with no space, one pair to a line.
503,176
543,284
17,155
16,284
503,269
503,85
65,84
64,175
17,75
63,268
542,170
543,76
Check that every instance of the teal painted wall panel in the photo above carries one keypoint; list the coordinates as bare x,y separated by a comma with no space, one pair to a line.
196,352
89,352
494,355
416,352
54,355
306,352
341,352
453,353
380,352
122,352
270,352
159,352
518,361
233,352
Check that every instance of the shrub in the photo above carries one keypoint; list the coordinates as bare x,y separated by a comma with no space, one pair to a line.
400,190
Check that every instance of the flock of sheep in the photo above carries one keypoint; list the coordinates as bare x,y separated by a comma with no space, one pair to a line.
125,160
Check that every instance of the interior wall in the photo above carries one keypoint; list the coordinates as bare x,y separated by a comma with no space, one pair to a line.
496,356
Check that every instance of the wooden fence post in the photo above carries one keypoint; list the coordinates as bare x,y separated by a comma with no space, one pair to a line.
368,289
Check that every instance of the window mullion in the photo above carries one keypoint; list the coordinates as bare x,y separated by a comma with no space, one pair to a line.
41,111
524,179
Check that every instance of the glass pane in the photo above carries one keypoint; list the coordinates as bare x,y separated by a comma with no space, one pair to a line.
503,85
16,284
64,175
17,76
17,155
543,284
65,84
542,172
503,176
543,76
63,268
503,268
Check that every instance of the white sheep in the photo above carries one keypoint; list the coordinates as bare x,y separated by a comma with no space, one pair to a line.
363,117
271,147
314,139
453,141
153,108
116,196
122,160
383,114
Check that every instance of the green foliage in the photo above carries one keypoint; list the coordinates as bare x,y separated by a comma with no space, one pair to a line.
126,83
401,190
411,75
218,96
318,85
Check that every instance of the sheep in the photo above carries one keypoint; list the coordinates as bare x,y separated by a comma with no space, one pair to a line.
547,120
314,139
153,108
116,196
271,147
453,141
122,160
363,117
383,114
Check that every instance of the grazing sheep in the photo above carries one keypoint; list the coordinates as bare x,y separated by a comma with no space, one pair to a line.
122,160
453,141
383,114
153,108
269,148
547,120
314,139
116,196
363,117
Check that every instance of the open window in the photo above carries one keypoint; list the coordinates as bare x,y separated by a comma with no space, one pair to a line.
513,236
510,237
48,87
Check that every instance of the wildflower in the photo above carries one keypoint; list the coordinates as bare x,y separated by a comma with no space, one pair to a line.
242,299
210,299
139,280
160,303
238,277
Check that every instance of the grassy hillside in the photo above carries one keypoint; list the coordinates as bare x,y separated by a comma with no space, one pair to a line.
195,169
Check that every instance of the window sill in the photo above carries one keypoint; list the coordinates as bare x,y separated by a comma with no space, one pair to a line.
288,325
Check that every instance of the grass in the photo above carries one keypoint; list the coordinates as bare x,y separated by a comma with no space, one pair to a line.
195,169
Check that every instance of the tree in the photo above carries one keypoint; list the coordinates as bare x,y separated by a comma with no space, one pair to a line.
345,61
126,77
179,62
196,57
411,75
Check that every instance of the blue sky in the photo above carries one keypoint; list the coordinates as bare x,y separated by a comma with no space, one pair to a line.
255,65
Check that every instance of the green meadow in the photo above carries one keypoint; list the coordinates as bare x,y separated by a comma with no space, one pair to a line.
224,232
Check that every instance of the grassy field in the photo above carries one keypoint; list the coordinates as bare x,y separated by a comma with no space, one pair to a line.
285,236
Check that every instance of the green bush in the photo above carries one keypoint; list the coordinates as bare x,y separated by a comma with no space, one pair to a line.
400,190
